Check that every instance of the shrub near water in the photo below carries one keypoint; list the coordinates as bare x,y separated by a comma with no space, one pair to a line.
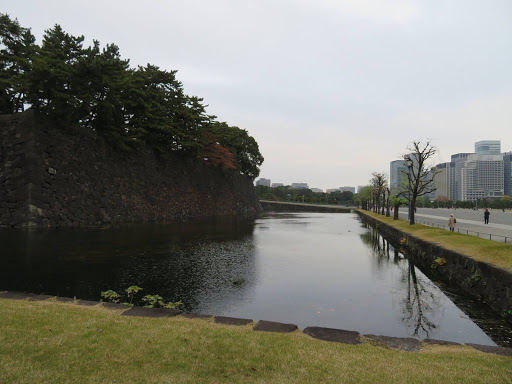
151,301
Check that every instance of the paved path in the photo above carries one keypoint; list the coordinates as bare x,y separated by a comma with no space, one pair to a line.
468,221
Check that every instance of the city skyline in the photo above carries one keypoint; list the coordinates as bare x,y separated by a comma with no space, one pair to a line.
331,90
393,177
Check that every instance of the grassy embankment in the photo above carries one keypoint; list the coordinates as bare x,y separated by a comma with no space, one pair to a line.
53,342
492,252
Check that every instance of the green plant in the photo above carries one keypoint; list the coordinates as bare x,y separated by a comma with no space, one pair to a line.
438,262
131,291
111,296
171,305
473,279
153,301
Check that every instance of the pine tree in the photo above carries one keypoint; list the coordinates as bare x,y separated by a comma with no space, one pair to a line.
17,49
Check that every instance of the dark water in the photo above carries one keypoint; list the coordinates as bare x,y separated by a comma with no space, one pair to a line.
307,269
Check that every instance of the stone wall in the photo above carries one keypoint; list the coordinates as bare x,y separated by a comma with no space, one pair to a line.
55,177
279,206
481,280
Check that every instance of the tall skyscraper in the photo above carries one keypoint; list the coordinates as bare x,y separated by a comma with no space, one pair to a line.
507,177
397,169
444,180
459,159
488,147
482,176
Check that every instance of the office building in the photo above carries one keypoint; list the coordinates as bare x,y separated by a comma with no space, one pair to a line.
507,177
317,190
459,159
488,147
263,181
482,176
299,186
397,171
444,180
275,185
348,189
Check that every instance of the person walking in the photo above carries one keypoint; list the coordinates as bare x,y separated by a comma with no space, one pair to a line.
451,222
486,216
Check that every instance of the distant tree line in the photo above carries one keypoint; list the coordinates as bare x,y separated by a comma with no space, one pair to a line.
286,193
94,88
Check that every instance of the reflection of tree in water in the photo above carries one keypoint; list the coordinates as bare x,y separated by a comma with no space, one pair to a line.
376,243
419,301
379,246
419,304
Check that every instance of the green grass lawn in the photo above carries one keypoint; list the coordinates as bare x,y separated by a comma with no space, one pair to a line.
493,252
54,342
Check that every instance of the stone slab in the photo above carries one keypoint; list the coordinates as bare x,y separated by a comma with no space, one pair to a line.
150,312
399,343
87,303
490,349
270,326
196,316
231,320
439,342
115,306
336,335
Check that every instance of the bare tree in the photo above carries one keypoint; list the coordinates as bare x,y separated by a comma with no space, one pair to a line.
420,178
379,182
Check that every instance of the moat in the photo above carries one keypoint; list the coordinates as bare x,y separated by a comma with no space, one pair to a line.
310,269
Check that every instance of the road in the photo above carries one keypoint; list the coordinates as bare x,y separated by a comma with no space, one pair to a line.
499,227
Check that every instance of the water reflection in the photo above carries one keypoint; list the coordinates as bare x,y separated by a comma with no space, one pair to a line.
196,263
420,307
419,304
422,303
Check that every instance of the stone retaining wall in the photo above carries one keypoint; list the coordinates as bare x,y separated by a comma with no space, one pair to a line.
55,177
278,206
481,280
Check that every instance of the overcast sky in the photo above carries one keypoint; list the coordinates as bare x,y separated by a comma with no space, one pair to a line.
332,90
